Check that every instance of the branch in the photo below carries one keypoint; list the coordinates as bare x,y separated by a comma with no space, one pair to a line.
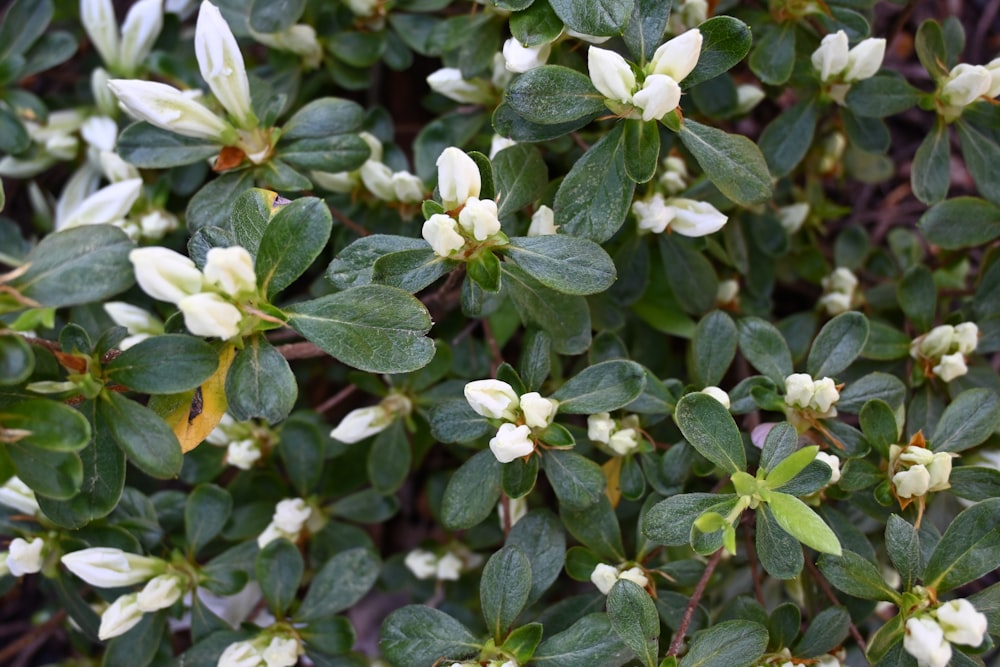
692,604
825,585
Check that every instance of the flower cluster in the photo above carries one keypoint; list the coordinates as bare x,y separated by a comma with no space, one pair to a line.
448,81
447,566
290,517
620,435
807,399
124,50
265,650
659,91
377,178
966,84
364,422
208,299
929,637
916,471
839,291
687,217
943,349
22,557
244,441
604,576
496,399
840,66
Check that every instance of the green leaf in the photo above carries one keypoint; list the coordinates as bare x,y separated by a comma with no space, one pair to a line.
484,271
972,417
417,636
24,22
389,459
870,135
519,476
902,542
725,42
975,482
968,549
980,223
645,28
826,632
553,94
987,601
535,25
773,56
713,348
76,266
521,175
323,117
787,139
803,524
727,644
564,317
260,383
301,447
205,513
691,276
781,441
930,174
150,147
279,569
189,362
138,646
710,429
294,237
213,203
857,576
732,162
539,535
508,123
333,153
48,425
355,264
878,423
780,554
633,617
589,641
790,466
884,94
339,584
577,481
882,386
504,589
275,16
641,147
838,344
373,327
602,387
523,641
455,421
931,49
765,348
328,637
14,137
595,196
47,472
917,296
599,17
596,527
472,492
982,158
366,506
566,264
52,49
145,438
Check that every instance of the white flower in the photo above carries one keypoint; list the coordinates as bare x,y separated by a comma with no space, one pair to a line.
865,59
538,411
511,442
653,214
718,394
624,441
498,143
727,292
17,495
140,29
240,654
116,169
961,623
231,270
479,218
600,426
407,187
422,563
518,508
695,218
98,18
799,389
362,7
106,206
951,366
448,81
458,178
825,394
748,96
934,343
155,224
449,567
361,423
965,84
171,109
299,39
441,232
831,56
100,132
912,482
291,514
659,95
677,57
160,592
841,280
635,575
792,216
210,315
221,64
25,557
243,454
106,567
925,641
675,175
994,68
282,652
520,58
836,303
104,99
377,178
604,577
492,398
966,337
610,74
120,617
833,462
543,222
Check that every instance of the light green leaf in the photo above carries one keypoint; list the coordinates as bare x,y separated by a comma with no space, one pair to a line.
803,524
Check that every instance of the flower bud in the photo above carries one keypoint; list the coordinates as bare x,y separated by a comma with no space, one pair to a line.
123,615
231,270
841,280
623,441
106,567
100,132
543,222
441,232
610,74
836,303
98,18
422,563
156,224
951,367
210,315
361,423
449,567
498,143
677,57
635,575
170,109
924,640
604,577
282,652
793,216
17,495
518,508
108,205
865,59
377,178
935,342
448,81
290,515
799,389
748,96
25,557
966,337
727,292
653,214
659,95
912,482
407,187
965,84
104,99
600,426
142,26
458,178
160,592
832,55
695,218
520,58
240,654
299,39
825,394
479,218
961,623
116,169
221,64
511,442
718,394
939,470
492,398
538,411
833,462
243,454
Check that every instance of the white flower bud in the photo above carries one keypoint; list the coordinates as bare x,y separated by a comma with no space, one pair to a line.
624,441
833,462
492,398
106,567
362,7
912,454
156,224
108,205
407,187
610,74
98,18
142,26
936,342
170,109
748,96
841,280
864,60
341,181
836,303
377,178
291,514
520,58
939,470
17,495
299,39
659,95
221,64
422,563
965,84
449,567
361,423
123,615
793,216
966,337
600,426
951,367
961,623
677,57
441,232
240,654
231,270
479,218
100,132
831,56
799,389
538,411
448,81
458,178
498,143
511,442
925,641
210,315
25,557
913,482
243,454
604,577
160,592
282,652
695,218
104,99
116,169
635,575
718,394
727,292
543,222
825,394
653,214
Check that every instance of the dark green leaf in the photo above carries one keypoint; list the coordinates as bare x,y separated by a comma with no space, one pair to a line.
780,554
552,94
710,429
596,527
47,425
538,24
472,492
418,636
504,589
24,22
826,632
982,157
884,94
389,459
275,16
521,176
765,348
727,644
633,617
641,146
972,417
566,264
589,641
645,28
731,161
602,387
213,203
47,472
150,147
773,56
599,17
788,137
166,364
539,535
146,439
293,239
725,42
260,383
279,569
339,584
857,576
968,549
917,296
564,317
930,174
838,344
577,481
903,545
713,348
355,264
205,513
669,521
961,222
691,276
138,646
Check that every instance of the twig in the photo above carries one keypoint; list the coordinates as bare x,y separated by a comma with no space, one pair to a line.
491,341
823,584
41,632
301,350
752,560
347,222
692,604
335,400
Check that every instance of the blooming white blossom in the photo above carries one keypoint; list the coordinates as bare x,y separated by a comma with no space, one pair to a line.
17,495
839,291
919,470
106,567
635,575
818,396
604,577
543,222
944,348
498,143
951,367
407,187
521,58
109,205
458,178
836,63
600,426
422,563
441,232
299,39
25,557
538,411
231,270
160,592
361,423
164,274
290,516
964,85
210,315
961,623
687,217
448,81
924,640
240,654
243,454
123,615
282,652
511,442
494,399
623,441
718,394
449,567
479,218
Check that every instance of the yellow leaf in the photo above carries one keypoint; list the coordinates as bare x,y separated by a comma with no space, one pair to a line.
613,473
